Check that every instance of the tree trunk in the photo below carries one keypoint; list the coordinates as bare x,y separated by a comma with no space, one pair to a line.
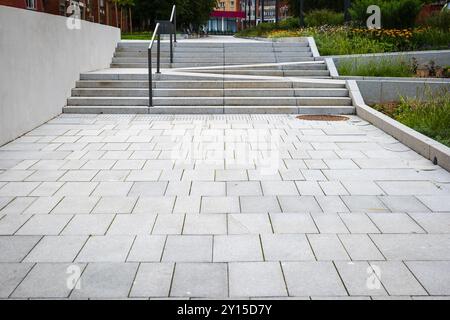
131,20
117,15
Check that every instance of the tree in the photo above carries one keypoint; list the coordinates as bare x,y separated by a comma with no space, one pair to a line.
191,14
336,5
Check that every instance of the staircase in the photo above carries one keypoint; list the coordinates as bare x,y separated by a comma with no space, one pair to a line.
214,77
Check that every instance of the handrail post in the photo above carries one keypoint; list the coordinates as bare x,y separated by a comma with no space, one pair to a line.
158,52
175,25
171,48
150,76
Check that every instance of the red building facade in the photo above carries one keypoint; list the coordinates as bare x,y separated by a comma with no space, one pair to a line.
98,11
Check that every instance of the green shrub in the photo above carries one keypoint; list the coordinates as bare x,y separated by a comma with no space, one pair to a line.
394,13
324,17
376,68
430,38
431,117
288,24
439,20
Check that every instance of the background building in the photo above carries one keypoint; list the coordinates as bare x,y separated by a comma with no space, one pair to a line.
227,17
98,11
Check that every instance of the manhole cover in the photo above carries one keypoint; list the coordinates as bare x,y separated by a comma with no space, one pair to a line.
322,117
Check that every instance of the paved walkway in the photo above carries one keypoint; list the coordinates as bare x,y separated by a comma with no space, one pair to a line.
220,206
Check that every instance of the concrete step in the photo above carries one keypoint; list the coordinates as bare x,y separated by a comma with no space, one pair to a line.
138,65
210,110
218,92
210,101
274,73
219,84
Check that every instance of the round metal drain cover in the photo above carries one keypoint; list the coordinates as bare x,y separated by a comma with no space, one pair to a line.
322,117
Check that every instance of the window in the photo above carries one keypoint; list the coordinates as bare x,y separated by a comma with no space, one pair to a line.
31,4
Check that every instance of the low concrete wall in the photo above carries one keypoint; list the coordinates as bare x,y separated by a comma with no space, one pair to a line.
427,147
440,57
40,60
383,90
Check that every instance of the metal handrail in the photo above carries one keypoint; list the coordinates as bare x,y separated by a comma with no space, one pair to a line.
173,20
156,32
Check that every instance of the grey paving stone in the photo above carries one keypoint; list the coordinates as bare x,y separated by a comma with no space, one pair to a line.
395,223
430,222
220,205
178,188
76,205
106,280
433,275
299,204
42,205
292,223
205,224
309,188
188,204
79,175
202,280
360,247
413,246
117,204
231,175
400,188
364,204
11,274
256,204
4,201
358,223
331,204
86,224
56,249
112,189
134,224
275,188
111,175
198,175
15,248
76,189
168,224
17,189
332,188
106,249
144,175
362,188
360,279
286,247
148,189
18,205
312,278
208,188
329,223
147,249
56,277
436,203
244,188
46,189
152,280
403,204
44,225
9,224
237,248
249,223
256,279
397,279
327,247
188,249
159,204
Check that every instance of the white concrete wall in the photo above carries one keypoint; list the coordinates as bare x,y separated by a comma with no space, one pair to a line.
40,60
